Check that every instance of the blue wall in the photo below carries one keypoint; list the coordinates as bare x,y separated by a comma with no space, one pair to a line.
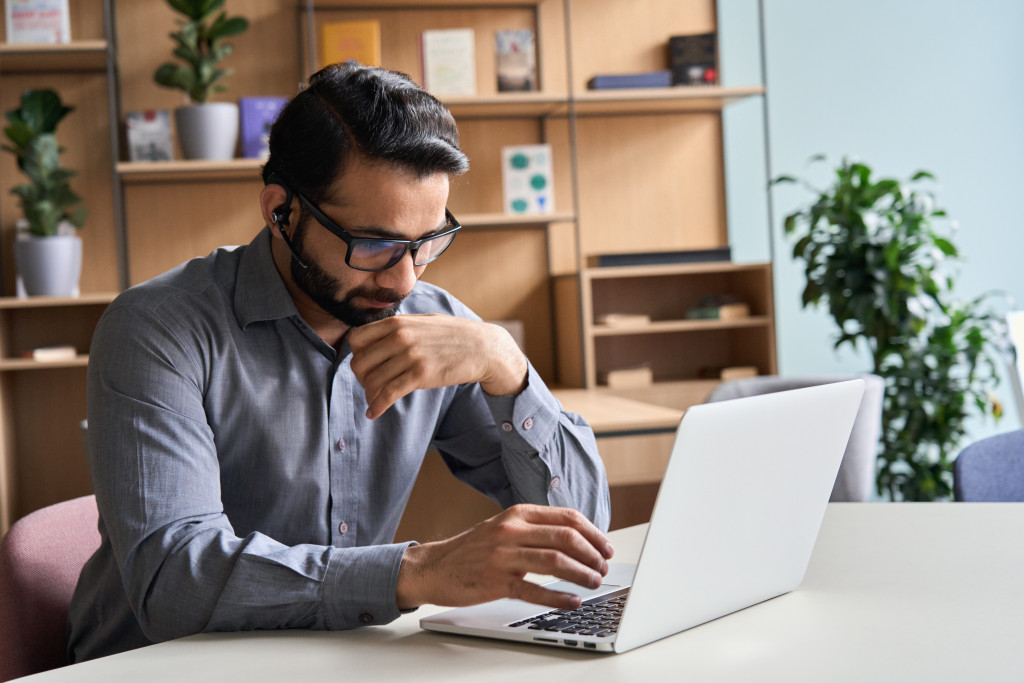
902,85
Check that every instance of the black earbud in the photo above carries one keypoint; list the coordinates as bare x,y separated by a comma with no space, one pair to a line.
280,218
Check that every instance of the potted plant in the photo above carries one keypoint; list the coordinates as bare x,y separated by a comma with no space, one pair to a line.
875,258
47,249
206,130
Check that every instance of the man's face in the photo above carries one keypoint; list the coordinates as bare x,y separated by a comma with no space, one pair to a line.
369,200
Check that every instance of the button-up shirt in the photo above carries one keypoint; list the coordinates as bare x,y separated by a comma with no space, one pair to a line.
240,484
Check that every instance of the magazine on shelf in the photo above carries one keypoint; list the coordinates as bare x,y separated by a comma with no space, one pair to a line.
526,173
449,61
341,41
37,21
516,60
149,135
256,116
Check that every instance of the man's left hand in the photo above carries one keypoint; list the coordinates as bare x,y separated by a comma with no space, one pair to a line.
397,355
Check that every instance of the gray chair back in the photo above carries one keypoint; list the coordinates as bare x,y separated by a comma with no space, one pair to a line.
991,470
857,471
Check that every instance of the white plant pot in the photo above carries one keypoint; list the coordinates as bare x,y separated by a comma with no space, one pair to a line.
49,266
207,131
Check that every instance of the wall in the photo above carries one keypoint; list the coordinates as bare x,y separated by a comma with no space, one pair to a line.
903,85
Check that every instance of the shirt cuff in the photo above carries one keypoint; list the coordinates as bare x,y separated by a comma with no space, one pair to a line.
362,584
526,422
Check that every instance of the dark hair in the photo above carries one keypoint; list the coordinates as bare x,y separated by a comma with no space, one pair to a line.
349,107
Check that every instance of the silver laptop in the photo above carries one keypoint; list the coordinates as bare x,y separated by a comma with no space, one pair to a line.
734,524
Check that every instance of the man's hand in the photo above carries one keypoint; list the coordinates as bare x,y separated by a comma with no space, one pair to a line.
489,561
398,355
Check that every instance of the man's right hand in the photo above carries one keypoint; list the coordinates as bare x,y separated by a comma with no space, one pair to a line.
490,560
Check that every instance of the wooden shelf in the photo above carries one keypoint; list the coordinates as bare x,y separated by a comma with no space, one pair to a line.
660,100
504,220
617,272
7,364
79,55
507,105
191,170
12,302
665,326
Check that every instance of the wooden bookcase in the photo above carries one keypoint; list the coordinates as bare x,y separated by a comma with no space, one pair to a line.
635,171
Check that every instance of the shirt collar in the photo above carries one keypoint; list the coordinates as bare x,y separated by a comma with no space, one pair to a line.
260,294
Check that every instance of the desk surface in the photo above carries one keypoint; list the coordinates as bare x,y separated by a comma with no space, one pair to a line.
894,592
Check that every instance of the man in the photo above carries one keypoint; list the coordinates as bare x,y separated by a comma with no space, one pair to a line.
257,417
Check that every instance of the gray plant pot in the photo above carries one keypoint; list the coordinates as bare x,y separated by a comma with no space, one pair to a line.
49,266
207,131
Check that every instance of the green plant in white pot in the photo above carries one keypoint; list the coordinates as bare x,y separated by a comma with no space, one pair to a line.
206,130
47,250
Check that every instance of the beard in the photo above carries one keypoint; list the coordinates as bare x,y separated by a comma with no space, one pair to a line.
322,288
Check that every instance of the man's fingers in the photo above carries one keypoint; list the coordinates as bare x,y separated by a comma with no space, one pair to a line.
556,563
567,517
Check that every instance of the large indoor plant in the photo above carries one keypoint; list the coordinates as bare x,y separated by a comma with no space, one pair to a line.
206,130
47,249
874,256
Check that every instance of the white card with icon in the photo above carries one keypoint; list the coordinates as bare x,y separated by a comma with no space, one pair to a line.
526,172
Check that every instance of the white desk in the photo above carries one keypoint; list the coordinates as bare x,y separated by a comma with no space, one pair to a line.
911,592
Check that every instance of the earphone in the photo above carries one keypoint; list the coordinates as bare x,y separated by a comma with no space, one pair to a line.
279,217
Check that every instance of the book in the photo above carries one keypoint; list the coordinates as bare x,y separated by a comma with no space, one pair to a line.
256,115
627,378
693,59
516,60
51,353
731,311
648,79
37,21
149,135
341,41
663,257
623,319
728,372
449,61
526,174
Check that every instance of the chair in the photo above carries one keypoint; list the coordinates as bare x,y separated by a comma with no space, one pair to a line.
40,560
857,471
991,470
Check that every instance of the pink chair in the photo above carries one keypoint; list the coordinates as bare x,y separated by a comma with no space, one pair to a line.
40,560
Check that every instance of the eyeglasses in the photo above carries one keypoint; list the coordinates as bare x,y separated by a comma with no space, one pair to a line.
380,253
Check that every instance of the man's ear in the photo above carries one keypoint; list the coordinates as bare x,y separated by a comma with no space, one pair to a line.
272,197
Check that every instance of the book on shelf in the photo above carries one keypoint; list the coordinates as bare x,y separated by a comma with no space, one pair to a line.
341,41
516,60
648,79
37,21
256,116
623,319
665,257
526,174
149,135
627,378
51,353
449,61
693,59
728,372
718,307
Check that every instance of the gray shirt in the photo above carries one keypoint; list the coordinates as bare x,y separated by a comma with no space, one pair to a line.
239,483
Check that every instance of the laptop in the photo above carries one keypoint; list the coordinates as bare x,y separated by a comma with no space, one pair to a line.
734,524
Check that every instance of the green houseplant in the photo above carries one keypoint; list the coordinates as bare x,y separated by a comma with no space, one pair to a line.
47,251
874,256
206,130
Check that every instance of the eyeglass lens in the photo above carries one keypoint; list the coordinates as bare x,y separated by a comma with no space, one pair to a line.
378,255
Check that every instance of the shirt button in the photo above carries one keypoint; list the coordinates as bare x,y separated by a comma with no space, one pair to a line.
528,423
343,528
506,426
366,618
555,482
341,444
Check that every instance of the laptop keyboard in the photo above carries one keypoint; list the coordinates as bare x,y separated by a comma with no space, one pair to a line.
595,617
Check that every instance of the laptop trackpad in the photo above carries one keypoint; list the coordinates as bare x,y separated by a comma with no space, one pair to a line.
585,593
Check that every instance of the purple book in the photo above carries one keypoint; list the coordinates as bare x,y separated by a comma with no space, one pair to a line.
256,115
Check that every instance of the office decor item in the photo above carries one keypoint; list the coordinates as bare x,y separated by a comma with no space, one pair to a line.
526,174
206,130
257,116
718,307
627,378
341,41
516,60
449,61
47,249
50,354
875,256
722,254
693,59
646,79
149,135
37,21
623,319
